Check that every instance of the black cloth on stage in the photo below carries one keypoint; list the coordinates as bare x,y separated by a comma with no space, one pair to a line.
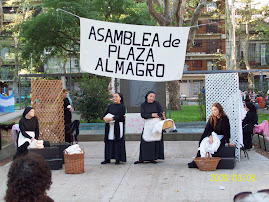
150,151
115,149
222,128
248,124
67,113
67,120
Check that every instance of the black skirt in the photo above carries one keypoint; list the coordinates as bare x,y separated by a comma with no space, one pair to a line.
115,150
150,151
247,136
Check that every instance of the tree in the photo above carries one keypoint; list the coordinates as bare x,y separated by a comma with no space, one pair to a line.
92,98
252,25
59,33
10,39
171,13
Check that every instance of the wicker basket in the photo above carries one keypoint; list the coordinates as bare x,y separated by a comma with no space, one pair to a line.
167,123
207,163
74,163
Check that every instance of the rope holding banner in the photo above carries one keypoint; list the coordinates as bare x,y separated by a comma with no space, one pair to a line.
59,9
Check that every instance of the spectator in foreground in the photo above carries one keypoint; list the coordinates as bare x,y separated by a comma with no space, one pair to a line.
29,178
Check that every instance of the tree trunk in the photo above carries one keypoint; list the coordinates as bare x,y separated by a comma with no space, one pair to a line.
164,19
245,46
173,88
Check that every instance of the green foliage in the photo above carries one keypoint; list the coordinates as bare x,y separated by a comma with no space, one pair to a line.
59,32
3,142
92,98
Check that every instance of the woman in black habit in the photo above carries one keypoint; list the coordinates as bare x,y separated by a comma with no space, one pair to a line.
248,124
29,130
151,148
219,123
114,131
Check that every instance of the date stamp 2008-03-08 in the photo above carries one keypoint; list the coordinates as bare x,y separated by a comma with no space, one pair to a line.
232,178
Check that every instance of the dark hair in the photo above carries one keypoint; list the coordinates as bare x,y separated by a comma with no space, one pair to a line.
146,97
26,111
28,179
251,107
121,96
212,118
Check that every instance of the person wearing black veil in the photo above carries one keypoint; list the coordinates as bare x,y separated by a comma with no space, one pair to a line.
29,130
248,124
151,144
114,131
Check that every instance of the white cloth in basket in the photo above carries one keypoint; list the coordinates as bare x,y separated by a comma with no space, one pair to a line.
74,149
211,148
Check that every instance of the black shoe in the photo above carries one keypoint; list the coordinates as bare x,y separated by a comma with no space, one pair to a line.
154,162
137,162
192,165
117,162
105,162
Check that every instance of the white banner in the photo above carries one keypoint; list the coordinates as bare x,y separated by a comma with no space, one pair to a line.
134,52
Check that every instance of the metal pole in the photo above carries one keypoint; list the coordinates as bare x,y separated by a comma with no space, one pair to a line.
70,78
261,81
169,107
19,90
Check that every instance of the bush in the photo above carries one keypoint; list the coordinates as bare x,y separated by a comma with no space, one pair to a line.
92,98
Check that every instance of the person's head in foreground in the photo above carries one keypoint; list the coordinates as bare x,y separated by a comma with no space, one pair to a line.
260,196
28,179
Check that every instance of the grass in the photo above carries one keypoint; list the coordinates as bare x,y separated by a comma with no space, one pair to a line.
189,113
262,117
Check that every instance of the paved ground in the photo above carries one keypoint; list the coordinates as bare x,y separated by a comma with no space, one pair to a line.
169,180
10,116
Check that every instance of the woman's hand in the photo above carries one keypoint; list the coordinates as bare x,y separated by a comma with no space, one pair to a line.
32,139
232,144
210,139
155,115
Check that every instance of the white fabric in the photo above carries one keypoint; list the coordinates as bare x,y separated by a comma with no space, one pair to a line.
74,149
36,144
110,116
23,139
158,127
111,135
205,146
132,52
220,136
148,134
